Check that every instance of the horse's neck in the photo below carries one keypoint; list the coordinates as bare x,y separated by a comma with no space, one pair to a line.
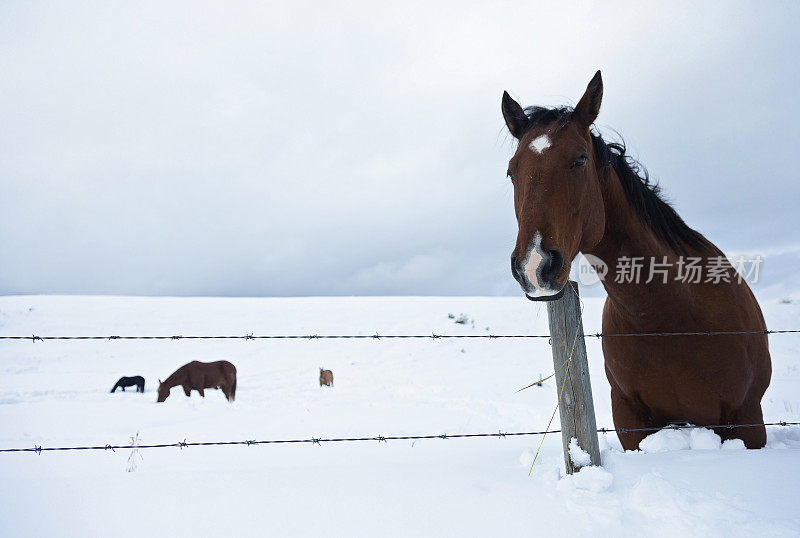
638,304
175,379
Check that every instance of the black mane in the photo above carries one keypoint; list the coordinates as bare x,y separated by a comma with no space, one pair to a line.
642,195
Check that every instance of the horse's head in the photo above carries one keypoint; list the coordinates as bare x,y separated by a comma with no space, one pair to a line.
163,392
557,196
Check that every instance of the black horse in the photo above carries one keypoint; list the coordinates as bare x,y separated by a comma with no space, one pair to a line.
129,382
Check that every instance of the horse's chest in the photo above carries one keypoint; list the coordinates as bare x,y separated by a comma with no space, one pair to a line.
643,366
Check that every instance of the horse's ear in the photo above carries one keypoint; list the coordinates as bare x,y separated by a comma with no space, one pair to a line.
588,107
159,381
515,117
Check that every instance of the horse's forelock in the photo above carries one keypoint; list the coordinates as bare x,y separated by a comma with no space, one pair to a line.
540,115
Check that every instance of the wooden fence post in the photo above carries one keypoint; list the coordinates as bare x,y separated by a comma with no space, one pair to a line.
577,407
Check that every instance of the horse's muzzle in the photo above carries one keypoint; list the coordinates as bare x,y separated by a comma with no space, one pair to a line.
545,274
546,298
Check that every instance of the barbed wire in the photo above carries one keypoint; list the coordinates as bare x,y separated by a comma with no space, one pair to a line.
38,449
377,336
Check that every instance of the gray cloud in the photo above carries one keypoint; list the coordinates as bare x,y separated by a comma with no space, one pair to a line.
252,149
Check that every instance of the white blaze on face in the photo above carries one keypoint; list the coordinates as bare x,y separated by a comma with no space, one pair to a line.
531,265
540,143
531,268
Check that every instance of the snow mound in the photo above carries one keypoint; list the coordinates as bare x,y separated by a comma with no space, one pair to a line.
784,438
579,457
592,478
667,440
526,458
733,444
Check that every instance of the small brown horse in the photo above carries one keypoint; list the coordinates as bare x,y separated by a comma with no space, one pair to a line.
198,376
575,192
325,377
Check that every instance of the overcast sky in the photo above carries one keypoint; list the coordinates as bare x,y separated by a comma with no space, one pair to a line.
340,148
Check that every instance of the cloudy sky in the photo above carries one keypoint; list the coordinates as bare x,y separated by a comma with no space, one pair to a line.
340,148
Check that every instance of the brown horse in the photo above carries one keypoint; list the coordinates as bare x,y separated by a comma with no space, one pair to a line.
325,377
573,192
198,376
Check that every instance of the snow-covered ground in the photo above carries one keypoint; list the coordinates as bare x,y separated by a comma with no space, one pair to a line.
56,393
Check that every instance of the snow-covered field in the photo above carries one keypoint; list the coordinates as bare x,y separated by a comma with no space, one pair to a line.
56,393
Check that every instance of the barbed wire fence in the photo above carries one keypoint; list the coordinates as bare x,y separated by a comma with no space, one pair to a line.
378,336
38,449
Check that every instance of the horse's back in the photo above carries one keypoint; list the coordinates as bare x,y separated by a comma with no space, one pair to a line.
217,371
225,367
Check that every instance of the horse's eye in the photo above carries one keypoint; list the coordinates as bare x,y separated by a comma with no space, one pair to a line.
580,161
509,175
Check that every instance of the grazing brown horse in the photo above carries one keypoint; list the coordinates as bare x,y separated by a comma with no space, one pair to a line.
325,377
574,192
198,376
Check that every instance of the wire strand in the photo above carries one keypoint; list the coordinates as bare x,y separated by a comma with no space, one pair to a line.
380,438
377,336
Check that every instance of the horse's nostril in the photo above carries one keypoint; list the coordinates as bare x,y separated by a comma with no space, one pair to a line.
556,257
551,265
514,268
